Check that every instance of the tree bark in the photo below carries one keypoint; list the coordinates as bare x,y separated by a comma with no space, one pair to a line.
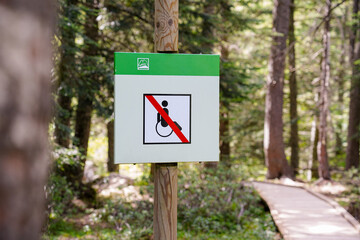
324,97
63,117
208,27
26,31
275,158
112,167
352,151
207,47
313,160
340,84
294,137
314,139
225,115
83,124
66,76
224,137
85,95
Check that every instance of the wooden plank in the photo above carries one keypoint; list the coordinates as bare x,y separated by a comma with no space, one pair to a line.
339,209
302,237
303,215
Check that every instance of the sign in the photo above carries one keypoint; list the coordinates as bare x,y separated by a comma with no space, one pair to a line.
166,108
167,118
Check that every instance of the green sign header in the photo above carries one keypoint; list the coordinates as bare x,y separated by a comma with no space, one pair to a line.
166,64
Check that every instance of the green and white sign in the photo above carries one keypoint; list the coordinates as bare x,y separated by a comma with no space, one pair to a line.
166,108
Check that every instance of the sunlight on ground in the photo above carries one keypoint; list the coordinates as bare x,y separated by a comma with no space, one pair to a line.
118,186
333,188
325,229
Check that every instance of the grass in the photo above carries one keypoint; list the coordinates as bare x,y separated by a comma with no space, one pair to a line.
211,205
261,227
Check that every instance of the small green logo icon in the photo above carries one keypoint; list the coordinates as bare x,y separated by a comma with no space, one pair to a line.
143,64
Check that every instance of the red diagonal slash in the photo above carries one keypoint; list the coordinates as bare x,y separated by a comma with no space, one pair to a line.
167,118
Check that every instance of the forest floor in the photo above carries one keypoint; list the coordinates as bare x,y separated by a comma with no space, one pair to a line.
346,193
123,210
124,205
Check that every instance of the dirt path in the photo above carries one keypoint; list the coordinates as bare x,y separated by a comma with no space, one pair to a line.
301,214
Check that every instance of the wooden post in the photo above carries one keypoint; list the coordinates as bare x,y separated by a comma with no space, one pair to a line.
166,25
165,176
165,201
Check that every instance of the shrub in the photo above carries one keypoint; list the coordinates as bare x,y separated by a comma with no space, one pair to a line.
62,188
219,202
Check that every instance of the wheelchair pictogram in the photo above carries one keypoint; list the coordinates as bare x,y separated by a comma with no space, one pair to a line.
162,127
167,118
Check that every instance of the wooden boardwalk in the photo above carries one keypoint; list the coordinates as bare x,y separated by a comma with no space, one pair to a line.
301,214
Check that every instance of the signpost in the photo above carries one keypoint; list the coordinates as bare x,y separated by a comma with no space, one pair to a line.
166,111
169,112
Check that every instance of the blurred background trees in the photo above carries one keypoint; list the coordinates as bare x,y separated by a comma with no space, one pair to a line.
297,118
240,32
291,66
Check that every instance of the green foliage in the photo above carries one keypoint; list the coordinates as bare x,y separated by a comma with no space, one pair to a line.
210,206
66,164
60,194
351,179
61,228
128,26
63,186
132,220
220,204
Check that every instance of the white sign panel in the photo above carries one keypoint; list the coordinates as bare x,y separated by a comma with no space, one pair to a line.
166,108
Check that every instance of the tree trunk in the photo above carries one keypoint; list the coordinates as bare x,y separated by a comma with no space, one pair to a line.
82,133
66,76
352,151
26,31
112,167
62,122
225,115
224,137
314,139
83,124
208,34
340,84
324,97
208,27
85,96
313,162
273,128
294,137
